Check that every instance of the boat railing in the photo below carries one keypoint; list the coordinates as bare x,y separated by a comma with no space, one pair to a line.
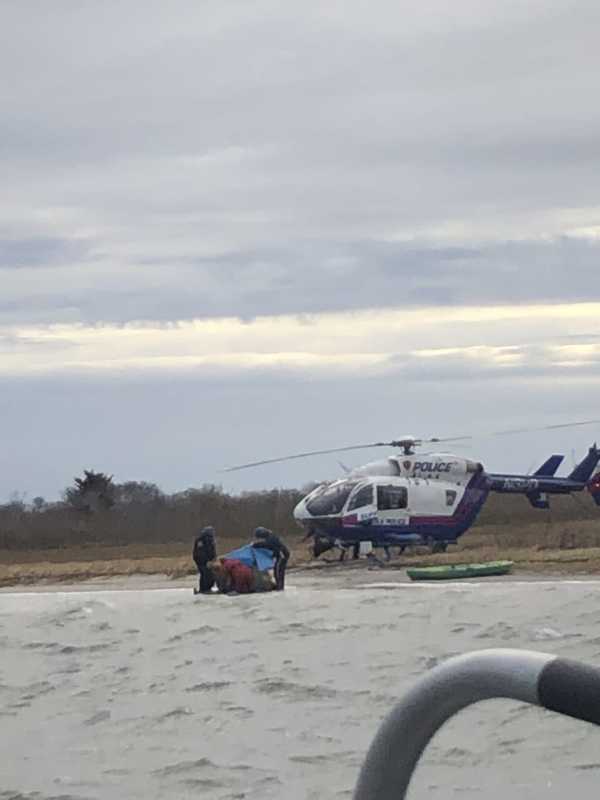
558,684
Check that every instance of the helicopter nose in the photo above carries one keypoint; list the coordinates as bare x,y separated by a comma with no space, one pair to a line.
302,517
300,511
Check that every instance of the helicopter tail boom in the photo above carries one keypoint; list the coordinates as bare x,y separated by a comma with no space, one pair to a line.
537,487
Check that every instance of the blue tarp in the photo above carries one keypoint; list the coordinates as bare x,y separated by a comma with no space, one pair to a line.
253,557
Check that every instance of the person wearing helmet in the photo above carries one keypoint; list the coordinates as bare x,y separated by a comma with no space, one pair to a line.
205,551
267,540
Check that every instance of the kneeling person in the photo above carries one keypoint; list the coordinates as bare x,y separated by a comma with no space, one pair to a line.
233,576
267,540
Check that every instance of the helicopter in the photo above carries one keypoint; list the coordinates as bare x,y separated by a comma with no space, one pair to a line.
422,499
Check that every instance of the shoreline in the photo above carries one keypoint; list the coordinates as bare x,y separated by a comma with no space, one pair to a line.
127,567
360,578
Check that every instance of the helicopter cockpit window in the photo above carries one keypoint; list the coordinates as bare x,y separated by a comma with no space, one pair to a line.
450,497
391,497
331,500
363,497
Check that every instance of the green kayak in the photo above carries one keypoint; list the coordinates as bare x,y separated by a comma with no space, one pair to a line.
447,572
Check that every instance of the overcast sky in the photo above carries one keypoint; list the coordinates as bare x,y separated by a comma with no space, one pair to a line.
233,230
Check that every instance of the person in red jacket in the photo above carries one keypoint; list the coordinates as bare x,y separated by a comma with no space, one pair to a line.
233,576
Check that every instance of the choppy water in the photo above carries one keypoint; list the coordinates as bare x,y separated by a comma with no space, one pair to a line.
157,694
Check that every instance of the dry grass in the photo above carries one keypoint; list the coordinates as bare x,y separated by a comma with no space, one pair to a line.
72,564
72,571
156,538
565,547
527,559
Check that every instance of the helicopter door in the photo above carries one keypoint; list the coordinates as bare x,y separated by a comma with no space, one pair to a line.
362,503
392,505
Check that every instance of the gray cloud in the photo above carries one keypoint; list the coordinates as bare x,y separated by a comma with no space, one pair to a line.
266,144
264,158
311,277
41,252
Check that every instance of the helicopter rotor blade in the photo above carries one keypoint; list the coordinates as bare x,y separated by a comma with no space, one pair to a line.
513,431
307,455
410,441
436,439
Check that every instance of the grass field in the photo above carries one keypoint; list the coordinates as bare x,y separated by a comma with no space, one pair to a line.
563,547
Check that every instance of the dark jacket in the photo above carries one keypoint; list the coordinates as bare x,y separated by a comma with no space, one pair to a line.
205,549
274,544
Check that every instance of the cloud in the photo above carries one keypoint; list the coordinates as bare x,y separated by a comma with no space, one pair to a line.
34,252
526,363
305,278
342,212
430,343
252,161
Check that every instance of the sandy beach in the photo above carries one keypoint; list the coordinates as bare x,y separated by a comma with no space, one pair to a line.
316,577
532,551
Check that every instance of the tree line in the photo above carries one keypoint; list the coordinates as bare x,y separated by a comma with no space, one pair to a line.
95,510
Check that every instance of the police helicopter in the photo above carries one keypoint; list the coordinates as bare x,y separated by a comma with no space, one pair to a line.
428,499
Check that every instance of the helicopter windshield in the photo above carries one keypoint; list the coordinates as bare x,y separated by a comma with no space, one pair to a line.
331,500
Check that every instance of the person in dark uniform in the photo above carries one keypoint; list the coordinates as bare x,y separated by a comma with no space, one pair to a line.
205,551
267,540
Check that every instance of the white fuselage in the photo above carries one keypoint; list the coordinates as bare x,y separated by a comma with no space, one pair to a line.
392,491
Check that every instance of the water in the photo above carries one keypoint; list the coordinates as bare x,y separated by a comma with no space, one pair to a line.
157,694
